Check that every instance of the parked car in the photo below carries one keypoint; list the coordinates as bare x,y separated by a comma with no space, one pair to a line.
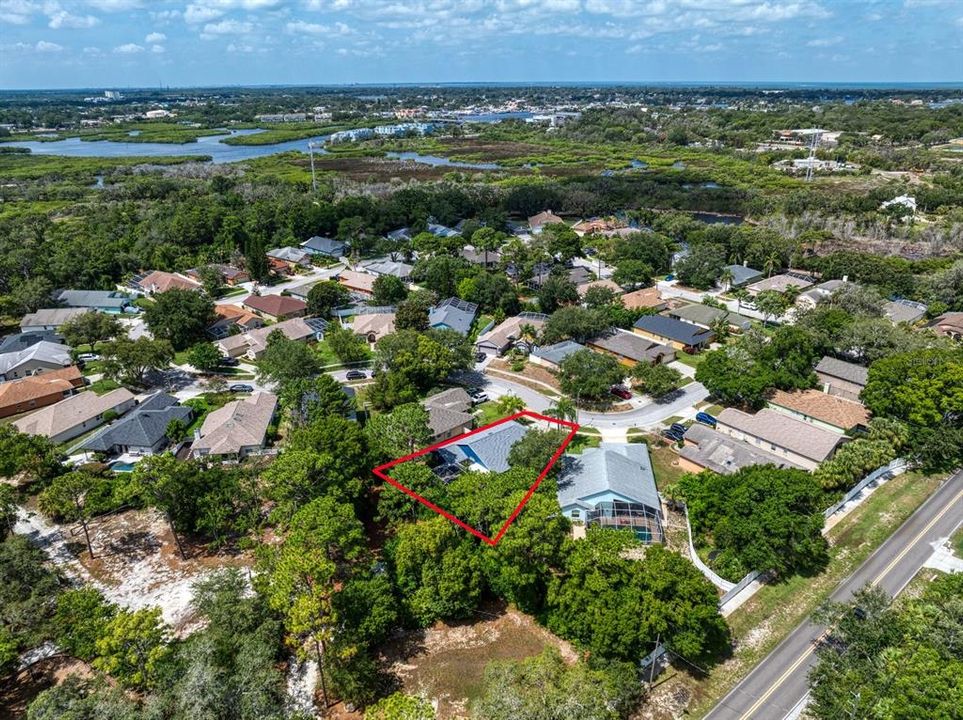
620,392
678,428
241,388
356,375
87,357
672,435
669,278
480,357
230,362
479,398
706,419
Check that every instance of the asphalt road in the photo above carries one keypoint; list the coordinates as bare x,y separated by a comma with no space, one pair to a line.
779,683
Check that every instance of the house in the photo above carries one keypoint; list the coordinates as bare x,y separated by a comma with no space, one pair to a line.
449,414
904,311
595,225
508,334
644,299
949,325
142,431
607,284
158,281
674,333
233,319
328,247
578,275
37,391
706,316
779,434
486,450
779,283
275,307
385,266
612,486
33,360
107,301
829,412
230,275
288,259
901,201
737,276
362,283
840,378
75,415
488,259
49,318
254,342
809,299
453,314
23,340
373,326
399,235
708,449
631,349
443,231
537,223
551,356
238,429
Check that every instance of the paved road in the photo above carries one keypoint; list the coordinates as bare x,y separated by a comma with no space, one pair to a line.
779,683
647,415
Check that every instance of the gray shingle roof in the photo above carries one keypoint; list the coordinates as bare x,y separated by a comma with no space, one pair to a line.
682,332
557,352
453,313
94,299
43,351
325,246
843,370
143,426
621,468
490,447
631,346
742,274
723,454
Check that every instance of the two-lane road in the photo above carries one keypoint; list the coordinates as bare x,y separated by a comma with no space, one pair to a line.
779,683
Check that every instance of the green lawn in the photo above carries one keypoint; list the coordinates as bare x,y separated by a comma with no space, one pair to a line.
487,412
690,360
956,542
104,385
666,474
583,441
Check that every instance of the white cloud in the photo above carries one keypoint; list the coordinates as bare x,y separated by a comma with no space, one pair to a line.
201,11
43,46
115,5
129,49
17,12
155,37
301,27
228,27
157,49
63,19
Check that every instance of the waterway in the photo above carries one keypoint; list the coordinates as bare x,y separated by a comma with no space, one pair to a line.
439,161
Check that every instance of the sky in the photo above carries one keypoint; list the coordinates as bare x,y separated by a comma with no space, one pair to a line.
180,43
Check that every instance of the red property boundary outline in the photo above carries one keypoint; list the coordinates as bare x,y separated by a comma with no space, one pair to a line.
380,472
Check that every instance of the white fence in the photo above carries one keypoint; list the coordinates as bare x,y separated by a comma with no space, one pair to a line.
887,472
715,579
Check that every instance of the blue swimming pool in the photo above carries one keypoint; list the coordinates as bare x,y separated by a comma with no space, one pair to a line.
122,466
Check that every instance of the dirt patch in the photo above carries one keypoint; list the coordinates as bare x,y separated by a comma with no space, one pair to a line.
17,695
531,372
446,663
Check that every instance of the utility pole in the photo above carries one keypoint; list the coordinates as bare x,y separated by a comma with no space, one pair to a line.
814,141
314,179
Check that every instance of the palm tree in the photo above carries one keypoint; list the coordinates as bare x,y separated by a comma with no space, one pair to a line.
563,408
528,333
510,404
773,261
725,280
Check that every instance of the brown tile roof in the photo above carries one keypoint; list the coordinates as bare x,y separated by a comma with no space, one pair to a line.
238,425
644,298
831,409
238,315
376,324
275,305
159,281
546,217
585,287
47,385
70,412
357,281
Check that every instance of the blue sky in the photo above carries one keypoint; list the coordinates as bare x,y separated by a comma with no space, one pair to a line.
136,43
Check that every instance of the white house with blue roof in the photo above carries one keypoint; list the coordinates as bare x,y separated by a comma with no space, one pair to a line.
612,486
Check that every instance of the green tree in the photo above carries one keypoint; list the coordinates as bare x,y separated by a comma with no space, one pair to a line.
921,388
399,432
298,476
509,404
176,430
759,518
563,408
308,399
285,360
67,498
77,698
81,618
204,356
347,346
32,456
656,381
586,375
702,266
129,361
180,316
388,290
91,328
556,291
408,363
544,686
563,242
412,312
399,706
436,571
633,274
8,510
574,323
133,648
536,448
325,296
210,278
